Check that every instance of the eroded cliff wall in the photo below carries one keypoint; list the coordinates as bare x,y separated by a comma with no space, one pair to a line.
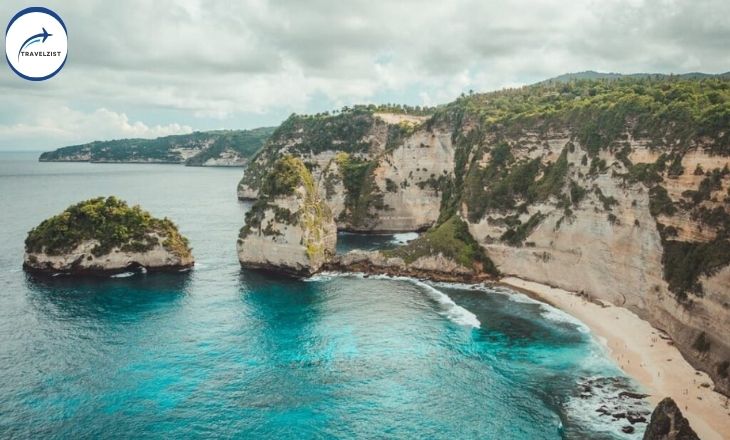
618,189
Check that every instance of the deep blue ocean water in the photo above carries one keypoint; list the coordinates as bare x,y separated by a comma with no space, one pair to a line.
225,353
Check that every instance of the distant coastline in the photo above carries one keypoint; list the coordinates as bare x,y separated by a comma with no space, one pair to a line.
219,148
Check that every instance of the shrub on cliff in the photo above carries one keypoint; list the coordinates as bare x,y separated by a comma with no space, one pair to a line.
285,176
361,192
451,239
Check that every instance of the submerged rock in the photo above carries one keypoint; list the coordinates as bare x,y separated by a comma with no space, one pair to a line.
289,229
105,236
668,423
634,417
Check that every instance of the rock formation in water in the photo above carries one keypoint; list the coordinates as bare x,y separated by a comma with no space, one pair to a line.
207,148
289,229
445,253
668,423
618,188
105,236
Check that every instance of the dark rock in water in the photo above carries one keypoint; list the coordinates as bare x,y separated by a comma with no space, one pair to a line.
603,410
668,423
628,429
619,416
631,395
635,417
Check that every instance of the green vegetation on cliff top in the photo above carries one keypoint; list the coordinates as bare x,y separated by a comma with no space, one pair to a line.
672,112
109,221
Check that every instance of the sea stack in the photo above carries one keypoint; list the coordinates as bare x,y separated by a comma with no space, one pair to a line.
668,423
105,236
289,229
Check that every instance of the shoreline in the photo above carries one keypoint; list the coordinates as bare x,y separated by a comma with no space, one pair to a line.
645,354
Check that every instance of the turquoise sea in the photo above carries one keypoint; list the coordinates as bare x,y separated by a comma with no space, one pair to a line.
221,352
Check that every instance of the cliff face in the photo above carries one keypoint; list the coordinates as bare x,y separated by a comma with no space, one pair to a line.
105,235
289,229
619,189
380,174
608,244
211,148
82,260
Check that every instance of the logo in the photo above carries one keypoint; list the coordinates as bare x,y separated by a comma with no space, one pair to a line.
36,44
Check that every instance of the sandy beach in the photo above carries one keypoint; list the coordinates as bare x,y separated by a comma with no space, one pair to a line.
645,354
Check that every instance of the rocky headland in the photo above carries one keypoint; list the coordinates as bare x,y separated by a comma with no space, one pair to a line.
289,229
105,236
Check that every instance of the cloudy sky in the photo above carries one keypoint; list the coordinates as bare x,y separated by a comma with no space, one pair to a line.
141,68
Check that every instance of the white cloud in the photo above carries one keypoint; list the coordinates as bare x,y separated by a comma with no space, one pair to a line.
234,64
66,126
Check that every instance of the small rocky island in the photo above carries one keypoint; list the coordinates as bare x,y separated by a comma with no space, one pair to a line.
105,236
289,229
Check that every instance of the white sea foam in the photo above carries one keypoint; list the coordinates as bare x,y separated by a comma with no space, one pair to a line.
557,315
404,237
320,277
123,275
450,309
582,409
465,317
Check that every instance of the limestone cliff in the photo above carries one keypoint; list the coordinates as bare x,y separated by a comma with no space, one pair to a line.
617,188
289,229
105,236
378,171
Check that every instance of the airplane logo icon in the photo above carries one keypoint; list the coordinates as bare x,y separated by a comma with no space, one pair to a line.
35,39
